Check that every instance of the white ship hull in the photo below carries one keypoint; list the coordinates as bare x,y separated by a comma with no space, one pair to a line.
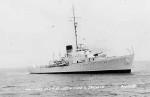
114,64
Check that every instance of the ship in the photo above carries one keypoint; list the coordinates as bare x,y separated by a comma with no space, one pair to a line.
83,60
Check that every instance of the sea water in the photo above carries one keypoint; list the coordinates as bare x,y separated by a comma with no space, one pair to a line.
19,83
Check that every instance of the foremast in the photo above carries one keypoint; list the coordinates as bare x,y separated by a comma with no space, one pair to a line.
75,28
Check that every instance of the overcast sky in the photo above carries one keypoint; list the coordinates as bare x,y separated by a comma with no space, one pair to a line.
31,30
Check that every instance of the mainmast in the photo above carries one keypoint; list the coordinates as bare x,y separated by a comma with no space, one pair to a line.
75,28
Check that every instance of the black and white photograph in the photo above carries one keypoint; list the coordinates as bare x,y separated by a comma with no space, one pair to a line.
74,48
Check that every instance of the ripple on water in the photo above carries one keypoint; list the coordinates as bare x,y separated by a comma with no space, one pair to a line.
8,94
8,86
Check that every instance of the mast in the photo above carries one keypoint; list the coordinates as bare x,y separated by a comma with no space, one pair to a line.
75,28
53,56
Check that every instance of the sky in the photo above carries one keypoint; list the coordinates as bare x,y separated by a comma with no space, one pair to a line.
32,30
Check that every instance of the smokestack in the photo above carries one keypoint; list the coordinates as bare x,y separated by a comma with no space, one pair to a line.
69,48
